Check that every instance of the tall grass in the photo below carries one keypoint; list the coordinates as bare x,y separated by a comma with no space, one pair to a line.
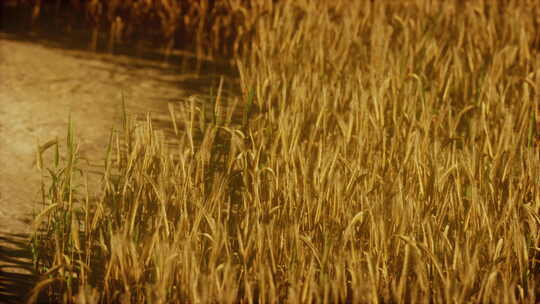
382,152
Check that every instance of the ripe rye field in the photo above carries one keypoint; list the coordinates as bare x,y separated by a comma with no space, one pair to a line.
381,152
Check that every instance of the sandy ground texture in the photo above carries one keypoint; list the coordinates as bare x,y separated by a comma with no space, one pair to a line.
40,86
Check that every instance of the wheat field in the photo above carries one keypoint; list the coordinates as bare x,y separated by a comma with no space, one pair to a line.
381,152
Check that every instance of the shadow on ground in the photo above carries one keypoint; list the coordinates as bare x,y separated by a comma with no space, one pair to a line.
17,277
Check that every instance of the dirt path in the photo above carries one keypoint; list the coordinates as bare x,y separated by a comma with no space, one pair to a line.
39,87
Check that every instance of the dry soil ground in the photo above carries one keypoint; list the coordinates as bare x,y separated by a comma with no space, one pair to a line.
39,86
